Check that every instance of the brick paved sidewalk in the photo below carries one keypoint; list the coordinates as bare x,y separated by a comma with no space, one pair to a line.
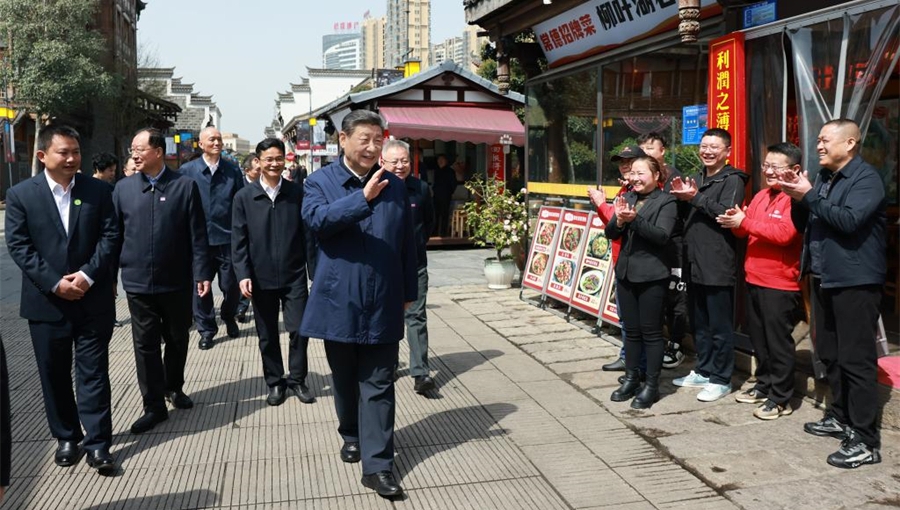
521,420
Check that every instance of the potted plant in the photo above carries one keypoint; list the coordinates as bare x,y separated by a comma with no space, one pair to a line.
496,217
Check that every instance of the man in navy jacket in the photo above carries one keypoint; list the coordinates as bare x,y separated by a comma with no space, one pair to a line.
218,181
269,253
365,277
163,251
844,250
61,231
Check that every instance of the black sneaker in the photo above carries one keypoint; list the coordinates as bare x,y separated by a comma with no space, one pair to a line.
827,426
854,453
672,357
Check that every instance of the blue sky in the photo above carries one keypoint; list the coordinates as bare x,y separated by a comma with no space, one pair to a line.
244,51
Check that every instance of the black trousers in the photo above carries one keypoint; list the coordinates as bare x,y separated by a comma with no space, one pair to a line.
156,318
641,306
53,348
5,421
363,380
713,321
846,320
291,301
204,311
442,214
676,310
770,322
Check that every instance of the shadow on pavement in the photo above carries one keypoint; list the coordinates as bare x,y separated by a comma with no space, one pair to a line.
191,499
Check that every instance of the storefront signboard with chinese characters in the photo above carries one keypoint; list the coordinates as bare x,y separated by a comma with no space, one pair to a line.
594,271
727,94
567,254
546,232
596,26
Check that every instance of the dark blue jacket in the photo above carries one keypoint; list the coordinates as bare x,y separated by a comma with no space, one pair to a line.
38,244
164,247
850,225
217,192
422,214
268,240
366,267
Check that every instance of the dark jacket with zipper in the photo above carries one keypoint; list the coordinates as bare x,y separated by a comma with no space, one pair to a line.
422,215
711,248
164,243
643,256
268,239
849,223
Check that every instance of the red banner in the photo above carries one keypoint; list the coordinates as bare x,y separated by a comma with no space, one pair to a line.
727,93
497,164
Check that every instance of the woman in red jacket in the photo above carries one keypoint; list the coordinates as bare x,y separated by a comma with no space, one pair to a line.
772,268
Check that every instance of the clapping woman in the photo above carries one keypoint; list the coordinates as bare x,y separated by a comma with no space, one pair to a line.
643,221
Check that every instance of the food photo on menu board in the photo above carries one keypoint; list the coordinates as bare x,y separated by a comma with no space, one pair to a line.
539,255
567,254
594,272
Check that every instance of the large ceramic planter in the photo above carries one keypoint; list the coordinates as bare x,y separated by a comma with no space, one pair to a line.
499,274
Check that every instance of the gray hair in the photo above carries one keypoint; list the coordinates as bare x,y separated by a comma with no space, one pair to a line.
395,144
360,118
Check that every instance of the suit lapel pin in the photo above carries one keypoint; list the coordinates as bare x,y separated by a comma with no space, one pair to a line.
77,201
162,199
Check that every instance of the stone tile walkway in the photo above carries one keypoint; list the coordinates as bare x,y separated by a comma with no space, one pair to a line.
520,420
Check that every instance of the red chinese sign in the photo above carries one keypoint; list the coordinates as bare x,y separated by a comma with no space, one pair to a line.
497,164
727,94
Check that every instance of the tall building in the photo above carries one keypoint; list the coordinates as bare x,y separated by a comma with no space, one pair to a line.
373,43
342,51
407,32
465,51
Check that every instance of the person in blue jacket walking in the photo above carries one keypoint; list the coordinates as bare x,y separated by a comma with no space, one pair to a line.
365,277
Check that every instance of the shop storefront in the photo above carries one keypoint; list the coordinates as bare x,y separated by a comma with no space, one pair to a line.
611,75
447,111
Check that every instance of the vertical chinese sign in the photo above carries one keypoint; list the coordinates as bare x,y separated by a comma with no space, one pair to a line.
727,93
497,167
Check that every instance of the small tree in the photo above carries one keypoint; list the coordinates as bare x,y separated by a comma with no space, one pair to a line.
495,216
53,63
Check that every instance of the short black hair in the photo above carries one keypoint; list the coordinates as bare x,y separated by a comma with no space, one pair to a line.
653,135
247,163
104,160
267,144
720,133
361,118
793,153
45,138
157,139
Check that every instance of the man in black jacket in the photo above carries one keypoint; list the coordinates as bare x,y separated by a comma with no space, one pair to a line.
712,264
269,254
163,251
61,231
395,157
844,251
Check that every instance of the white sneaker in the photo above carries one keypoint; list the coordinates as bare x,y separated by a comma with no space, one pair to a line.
712,392
692,380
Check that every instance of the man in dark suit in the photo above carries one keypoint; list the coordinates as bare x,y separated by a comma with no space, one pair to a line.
61,231
218,180
164,250
365,277
5,425
395,158
269,253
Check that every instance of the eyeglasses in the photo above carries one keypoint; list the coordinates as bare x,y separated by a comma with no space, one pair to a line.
766,167
138,150
714,148
269,161
396,162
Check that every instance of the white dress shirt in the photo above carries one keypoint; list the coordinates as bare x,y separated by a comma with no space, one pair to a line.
212,166
63,198
271,192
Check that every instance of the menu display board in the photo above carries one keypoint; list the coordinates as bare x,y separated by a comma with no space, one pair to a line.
610,311
567,254
546,232
594,270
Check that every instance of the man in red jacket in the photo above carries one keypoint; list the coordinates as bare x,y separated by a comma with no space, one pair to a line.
772,268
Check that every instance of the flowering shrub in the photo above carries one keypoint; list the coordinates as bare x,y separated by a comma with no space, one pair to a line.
496,216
